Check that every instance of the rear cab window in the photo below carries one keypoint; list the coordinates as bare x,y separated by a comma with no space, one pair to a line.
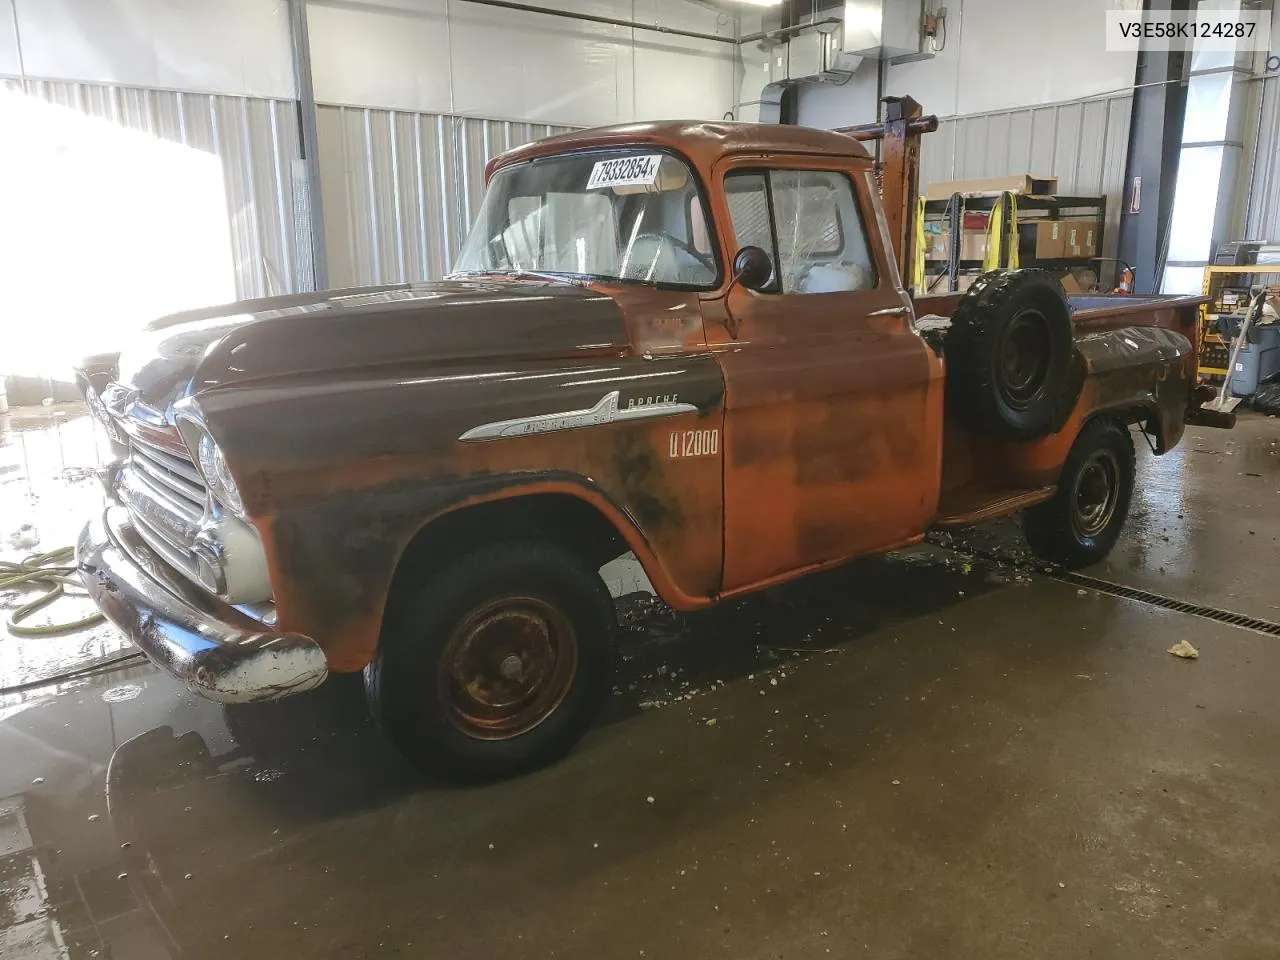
810,224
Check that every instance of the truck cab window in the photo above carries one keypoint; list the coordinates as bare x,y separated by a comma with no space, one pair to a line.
821,241
611,215
747,195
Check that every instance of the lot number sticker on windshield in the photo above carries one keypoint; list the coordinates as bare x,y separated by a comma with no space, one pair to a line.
625,172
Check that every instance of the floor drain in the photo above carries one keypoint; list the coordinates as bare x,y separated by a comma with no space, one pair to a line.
1168,603
1120,590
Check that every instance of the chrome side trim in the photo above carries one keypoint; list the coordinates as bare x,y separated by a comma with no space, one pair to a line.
606,411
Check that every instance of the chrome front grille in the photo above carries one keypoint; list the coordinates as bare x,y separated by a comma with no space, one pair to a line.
173,477
165,495
171,511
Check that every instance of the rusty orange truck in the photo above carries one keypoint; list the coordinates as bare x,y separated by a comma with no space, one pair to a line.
687,340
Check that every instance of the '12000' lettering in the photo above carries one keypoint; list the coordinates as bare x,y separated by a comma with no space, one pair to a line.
694,443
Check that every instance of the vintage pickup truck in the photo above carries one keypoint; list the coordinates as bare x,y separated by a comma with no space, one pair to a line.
687,340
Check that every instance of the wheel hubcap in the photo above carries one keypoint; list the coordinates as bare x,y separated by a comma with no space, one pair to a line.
1024,356
506,667
1097,490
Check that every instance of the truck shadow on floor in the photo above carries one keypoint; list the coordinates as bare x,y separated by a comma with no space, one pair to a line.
668,657
324,756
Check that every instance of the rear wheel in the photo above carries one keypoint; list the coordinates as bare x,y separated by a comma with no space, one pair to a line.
1082,522
497,664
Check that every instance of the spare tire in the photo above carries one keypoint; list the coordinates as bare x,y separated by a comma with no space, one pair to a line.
1008,353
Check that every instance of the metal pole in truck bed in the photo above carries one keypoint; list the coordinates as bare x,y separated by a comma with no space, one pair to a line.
899,169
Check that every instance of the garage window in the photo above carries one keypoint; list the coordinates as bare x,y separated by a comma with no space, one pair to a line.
809,223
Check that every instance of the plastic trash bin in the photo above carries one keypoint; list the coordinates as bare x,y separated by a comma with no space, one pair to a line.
1257,361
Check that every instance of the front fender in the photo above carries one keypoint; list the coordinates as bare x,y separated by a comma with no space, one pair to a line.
333,561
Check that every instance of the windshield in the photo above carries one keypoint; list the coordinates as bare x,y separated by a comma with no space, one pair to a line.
617,215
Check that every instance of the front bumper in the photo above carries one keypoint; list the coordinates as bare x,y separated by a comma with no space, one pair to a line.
217,651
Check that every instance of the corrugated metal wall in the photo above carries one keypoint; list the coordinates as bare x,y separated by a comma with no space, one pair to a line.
401,189
1083,144
255,139
1260,194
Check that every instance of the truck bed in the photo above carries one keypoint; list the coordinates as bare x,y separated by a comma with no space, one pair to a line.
1096,312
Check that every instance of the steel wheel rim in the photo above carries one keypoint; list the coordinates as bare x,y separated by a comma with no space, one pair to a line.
1095,495
1024,355
506,667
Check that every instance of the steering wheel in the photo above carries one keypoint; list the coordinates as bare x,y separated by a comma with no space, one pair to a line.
703,258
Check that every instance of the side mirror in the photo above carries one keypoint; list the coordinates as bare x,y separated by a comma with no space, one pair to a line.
752,268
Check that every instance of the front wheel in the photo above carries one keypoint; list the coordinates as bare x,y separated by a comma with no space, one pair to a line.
495,665
1082,521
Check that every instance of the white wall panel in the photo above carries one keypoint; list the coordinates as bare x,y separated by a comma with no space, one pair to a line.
678,77
392,56
459,58
1001,55
528,66
236,47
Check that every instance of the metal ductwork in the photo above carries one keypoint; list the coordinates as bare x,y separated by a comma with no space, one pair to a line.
853,31
883,29
828,46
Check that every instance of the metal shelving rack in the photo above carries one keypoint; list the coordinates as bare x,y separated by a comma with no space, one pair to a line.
1054,208
1214,348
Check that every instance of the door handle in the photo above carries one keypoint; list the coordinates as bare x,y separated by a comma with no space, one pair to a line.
890,312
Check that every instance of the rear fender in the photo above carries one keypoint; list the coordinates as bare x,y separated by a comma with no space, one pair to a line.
1139,374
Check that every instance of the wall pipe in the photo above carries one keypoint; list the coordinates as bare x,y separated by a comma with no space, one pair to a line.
652,27
595,18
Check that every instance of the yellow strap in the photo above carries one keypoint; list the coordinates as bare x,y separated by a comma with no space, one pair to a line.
1013,232
991,261
996,237
917,259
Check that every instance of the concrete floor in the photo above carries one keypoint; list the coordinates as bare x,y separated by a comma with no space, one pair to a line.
916,756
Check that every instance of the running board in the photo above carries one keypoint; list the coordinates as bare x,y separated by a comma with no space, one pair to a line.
984,505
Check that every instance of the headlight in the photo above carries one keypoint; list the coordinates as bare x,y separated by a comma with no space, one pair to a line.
214,467
227,486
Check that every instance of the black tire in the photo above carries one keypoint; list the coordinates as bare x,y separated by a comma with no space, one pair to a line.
1080,525
497,607
1009,356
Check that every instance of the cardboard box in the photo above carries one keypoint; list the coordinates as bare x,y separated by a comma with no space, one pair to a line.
1073,245
1081,238
973,244
1079,280
1091,240
1051,240
1022,183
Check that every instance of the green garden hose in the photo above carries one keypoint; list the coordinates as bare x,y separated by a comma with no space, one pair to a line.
51,572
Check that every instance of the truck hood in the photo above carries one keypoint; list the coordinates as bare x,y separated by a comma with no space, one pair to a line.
449,322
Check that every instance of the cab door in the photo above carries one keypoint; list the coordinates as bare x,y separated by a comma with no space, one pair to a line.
833,411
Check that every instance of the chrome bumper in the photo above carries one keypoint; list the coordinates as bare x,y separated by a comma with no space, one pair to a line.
216,650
